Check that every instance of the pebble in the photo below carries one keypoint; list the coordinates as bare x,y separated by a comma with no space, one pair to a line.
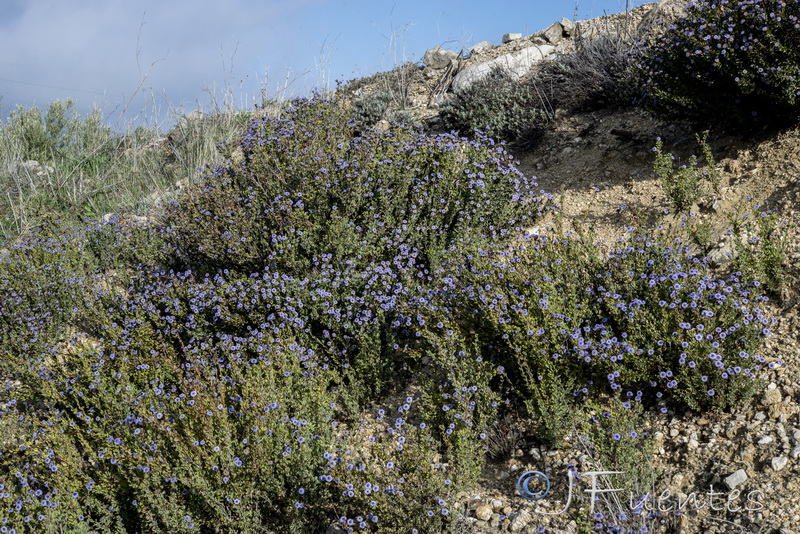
779,462
520,521
772,396
765,440
484,512
735,478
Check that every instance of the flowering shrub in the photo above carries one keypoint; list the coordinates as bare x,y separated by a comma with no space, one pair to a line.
650,322
395,479
732,60
310,190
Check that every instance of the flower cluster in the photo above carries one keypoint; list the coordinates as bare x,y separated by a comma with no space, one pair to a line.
736,60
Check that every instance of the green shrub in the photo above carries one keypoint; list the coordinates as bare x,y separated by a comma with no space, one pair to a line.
391,480
550,316
84,169
59,133
498,106
311,189
215,373
733,61
368,110
760,245
619,440
402,117
206,438
685,185
362,215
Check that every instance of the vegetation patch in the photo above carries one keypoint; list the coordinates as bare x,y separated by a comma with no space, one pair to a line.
737,62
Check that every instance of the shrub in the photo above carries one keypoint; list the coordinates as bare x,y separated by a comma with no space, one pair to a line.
735,61
368,110
59,133
84,169
311,189
402,117
214,374
205,430
649,321
617,438
365,219
498,106
597,75
760,244
391,479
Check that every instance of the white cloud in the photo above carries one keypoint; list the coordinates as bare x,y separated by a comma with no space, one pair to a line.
100,50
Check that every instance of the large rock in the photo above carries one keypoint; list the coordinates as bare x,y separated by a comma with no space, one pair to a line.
515,65
568,26
438,57
554,33
508,37
480,48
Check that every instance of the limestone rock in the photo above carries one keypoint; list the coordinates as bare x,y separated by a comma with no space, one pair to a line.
480,48
520,521
515,65
33,168
438,57
195,115
568,26
554,32
334,528
779,462
484,512
508,37
771,396
723,253
735,479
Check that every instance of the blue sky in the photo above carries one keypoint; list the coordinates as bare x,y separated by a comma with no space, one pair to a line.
146,60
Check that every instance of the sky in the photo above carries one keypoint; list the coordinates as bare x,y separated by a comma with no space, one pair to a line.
150,61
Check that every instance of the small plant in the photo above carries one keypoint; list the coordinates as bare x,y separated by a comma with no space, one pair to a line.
617,439
503,439
701,234
761,247
367,111
553,409
685,185
402,117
